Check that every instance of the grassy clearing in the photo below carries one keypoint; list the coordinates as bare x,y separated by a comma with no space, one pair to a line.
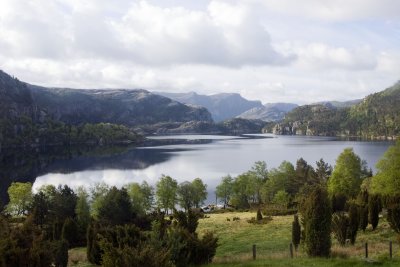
272,240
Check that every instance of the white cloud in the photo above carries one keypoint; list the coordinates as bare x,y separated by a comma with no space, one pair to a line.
276,50
335,10
320,55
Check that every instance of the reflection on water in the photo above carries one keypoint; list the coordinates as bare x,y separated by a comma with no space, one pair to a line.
182,157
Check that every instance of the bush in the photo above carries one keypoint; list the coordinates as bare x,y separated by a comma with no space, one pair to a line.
340,224
93,248
354,222
363,212
70,233
296,231
374,207
61,253
317,219
393,212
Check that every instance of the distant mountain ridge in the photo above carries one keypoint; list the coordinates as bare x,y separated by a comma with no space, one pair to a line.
121,106
269,112
221,106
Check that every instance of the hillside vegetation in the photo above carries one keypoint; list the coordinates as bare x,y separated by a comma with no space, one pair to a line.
376,116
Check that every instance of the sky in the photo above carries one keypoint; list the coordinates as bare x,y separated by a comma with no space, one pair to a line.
273,50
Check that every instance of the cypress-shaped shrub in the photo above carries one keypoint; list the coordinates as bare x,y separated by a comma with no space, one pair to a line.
296,231
363,212
354,222
70,232
61,253
374,207
317,216
93,248
393,212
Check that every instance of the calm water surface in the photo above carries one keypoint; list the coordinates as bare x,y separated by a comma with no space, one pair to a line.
207,157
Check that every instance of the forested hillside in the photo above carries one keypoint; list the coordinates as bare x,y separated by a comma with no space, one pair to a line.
33,115
376,116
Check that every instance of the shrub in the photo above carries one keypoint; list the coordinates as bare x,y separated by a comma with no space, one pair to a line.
340,224
374,207
363,212
393,212
317,218
93,248
296,231
61,253
70,232
354,222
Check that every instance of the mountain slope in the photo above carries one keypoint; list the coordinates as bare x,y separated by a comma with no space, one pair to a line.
268,112
33,115
221,106
375,116
127,107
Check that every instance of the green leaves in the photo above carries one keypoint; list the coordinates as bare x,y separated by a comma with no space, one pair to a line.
346,176
387,179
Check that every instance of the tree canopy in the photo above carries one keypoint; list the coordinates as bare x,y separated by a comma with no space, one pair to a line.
387,179
166,189
347,174
21,196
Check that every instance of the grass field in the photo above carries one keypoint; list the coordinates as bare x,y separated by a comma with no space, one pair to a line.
272,240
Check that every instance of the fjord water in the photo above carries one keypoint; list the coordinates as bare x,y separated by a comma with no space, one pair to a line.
204,156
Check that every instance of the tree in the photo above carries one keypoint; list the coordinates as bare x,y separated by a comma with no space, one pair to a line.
346,176
260,173
225,189
185,194
323,170
278,180
166,189
281,198
243,190
317,219
40,208
82,212
63,203
20,195
387,179
304,175
98,193
199,192
116,209
142,196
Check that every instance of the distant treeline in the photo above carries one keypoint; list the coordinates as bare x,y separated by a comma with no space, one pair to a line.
22,131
